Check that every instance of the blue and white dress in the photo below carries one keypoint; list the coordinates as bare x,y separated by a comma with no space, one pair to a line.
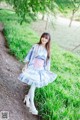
38,70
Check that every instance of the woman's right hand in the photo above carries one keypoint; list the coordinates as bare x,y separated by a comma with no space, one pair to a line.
25,67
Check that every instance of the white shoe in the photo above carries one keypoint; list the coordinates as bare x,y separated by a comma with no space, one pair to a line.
33,110
27,101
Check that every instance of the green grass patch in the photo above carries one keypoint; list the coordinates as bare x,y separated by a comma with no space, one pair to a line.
19,37
59,100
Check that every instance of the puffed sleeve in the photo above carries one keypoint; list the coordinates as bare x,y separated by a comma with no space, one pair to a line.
47,67
28,57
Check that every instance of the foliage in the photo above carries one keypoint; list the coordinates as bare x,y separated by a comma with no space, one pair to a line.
61,99
32,7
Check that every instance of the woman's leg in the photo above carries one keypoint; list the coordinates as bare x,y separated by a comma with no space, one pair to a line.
31,94
29,98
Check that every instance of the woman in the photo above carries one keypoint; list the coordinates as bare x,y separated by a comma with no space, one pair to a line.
37,69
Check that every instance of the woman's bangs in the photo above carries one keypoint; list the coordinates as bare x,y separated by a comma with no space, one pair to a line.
45,36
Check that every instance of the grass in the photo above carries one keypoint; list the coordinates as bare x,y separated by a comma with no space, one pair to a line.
19,37
59,100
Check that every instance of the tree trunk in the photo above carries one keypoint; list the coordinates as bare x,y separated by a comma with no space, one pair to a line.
43,17
73,12
46,23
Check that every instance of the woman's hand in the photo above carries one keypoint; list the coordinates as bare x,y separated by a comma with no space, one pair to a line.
25,67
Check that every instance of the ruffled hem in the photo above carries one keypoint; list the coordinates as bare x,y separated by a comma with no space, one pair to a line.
38,84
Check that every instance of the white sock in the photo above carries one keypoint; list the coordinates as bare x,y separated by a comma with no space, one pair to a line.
31,94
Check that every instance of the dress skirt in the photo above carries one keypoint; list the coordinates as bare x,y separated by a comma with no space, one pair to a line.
36,74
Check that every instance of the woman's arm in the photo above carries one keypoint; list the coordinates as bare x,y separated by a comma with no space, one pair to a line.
28,57
47,67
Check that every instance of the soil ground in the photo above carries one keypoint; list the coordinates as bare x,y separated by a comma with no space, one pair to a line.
12,91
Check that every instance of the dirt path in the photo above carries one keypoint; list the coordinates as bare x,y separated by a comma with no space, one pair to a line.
12,91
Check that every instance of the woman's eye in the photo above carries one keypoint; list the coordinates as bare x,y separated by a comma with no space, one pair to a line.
45,37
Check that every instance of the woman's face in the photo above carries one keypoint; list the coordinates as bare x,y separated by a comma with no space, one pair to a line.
44,40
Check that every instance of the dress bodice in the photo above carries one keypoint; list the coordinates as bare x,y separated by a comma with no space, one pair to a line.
41,52
40,57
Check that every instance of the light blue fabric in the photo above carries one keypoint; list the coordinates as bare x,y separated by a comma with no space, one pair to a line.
40,77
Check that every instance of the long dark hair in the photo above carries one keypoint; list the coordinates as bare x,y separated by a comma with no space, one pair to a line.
48,44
